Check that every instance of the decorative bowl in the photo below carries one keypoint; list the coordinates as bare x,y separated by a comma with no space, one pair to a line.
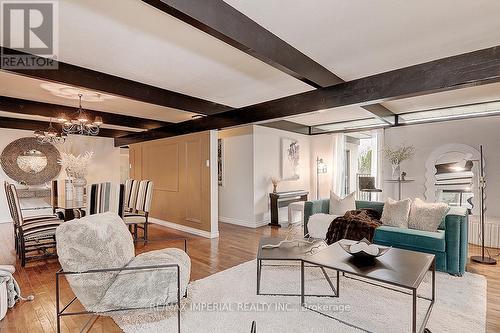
364,249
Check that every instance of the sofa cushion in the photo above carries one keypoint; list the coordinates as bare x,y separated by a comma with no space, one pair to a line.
410,238
426,216
395,213
318,225
378,206
339,206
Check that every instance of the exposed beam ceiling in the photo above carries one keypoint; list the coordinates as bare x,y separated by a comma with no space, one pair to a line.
222,21
23,106
32,125
460,71
217,18
98,81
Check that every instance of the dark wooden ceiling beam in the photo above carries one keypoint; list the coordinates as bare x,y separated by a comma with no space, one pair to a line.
224,22
33,125
217,18
456,72
22,106
114,85
289,126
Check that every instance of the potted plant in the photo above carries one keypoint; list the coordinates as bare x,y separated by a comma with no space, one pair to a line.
397,155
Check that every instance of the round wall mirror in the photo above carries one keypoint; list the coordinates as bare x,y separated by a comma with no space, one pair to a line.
29,162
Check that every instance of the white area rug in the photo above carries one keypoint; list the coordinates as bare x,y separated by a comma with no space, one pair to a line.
227,302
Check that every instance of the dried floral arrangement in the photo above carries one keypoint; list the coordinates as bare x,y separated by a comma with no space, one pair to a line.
275,181
399,154
76,166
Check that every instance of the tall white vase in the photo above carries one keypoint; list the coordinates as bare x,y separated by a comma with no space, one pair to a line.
396,171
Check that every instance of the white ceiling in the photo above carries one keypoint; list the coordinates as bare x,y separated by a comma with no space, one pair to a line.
139,42
17,86
357,38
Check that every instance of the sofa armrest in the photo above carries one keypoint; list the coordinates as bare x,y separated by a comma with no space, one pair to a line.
315,207
456,225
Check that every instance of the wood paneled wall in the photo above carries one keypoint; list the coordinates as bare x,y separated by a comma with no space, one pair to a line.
180,170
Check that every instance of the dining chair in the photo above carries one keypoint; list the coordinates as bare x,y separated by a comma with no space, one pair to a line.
34,234
26,220
139,219
104,197
131,189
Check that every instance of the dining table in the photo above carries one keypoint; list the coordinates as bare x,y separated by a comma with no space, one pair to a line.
69,206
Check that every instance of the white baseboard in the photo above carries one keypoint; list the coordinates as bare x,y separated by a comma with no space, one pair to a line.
243,223
184,228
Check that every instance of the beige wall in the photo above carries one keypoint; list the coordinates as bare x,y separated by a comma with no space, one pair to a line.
181,172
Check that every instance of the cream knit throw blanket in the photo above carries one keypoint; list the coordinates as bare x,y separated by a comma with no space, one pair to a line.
13,290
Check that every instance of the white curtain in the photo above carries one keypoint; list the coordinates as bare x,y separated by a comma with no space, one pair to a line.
338,165
377,157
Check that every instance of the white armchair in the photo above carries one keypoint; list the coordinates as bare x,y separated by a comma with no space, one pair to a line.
98,259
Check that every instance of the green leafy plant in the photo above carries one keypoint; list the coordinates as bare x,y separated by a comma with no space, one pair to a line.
365,162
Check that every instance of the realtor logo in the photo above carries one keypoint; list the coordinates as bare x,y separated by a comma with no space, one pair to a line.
29,34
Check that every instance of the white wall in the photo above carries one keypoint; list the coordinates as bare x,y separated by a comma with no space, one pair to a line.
267,164
427,137
252,157
236,194
322,147
105,166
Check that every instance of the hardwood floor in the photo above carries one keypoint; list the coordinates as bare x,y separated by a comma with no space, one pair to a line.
234,246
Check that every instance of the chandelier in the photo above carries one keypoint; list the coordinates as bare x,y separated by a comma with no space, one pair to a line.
80,123
50,135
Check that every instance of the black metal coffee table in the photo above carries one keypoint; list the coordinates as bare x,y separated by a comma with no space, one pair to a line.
290,252
401,268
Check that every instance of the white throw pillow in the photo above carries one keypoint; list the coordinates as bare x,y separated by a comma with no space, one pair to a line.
340,206
426,216
318,225
395,213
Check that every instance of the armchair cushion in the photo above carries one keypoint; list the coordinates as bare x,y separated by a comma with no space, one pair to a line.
151,287
97,241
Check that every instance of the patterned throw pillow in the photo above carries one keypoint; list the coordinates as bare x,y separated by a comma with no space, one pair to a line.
427,216
340,206
395,213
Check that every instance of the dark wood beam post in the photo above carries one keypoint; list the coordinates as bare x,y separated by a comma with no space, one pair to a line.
456,72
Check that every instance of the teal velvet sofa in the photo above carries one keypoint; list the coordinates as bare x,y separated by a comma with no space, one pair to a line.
448,244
